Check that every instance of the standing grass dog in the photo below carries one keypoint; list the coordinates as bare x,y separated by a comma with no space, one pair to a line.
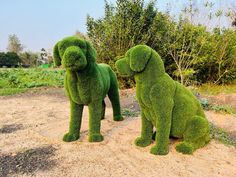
165,104
86,83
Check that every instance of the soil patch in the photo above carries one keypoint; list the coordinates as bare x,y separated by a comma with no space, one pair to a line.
27,162
44,117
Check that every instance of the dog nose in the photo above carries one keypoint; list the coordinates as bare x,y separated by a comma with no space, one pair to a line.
71,55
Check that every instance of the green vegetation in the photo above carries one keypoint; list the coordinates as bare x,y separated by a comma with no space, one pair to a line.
14,81
129,113
14,44
223,108
192,53
9,59
15,57
212,89
164,104
11,91
221,135
29,59
86,83
215,107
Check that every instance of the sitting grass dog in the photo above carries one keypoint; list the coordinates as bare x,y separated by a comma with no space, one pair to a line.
86,83
165,104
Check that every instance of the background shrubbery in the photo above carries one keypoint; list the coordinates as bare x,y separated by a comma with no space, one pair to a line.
192,53
9,59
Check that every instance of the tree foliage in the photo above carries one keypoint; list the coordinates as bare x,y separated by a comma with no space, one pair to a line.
14,44
9,59
29,59
191,52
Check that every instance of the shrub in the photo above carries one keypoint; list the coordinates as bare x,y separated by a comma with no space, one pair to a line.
9,59
191,53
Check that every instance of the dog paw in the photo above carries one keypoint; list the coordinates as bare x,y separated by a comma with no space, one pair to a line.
185,148
95,138
118,118
159,151
68,137
142,142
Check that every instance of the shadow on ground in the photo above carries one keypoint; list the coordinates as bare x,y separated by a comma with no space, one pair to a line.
10,128
27,162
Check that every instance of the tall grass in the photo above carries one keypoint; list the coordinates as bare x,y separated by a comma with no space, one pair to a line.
211,89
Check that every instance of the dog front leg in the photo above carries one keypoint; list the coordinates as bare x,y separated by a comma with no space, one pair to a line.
161,97
162,112
76,112
146,132
95,114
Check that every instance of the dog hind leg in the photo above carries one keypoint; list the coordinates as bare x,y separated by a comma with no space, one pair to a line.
195,136
113,95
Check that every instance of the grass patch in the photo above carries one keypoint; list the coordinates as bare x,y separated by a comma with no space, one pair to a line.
211,89
12,91
220,135
13,81
223,109
129,113
217,108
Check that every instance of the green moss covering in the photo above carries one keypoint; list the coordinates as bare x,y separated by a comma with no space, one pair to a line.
86,83
165,104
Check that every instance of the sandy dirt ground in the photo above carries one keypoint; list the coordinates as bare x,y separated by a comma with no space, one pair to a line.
226,99
32,121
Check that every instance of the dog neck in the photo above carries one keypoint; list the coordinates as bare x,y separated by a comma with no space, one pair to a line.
88,70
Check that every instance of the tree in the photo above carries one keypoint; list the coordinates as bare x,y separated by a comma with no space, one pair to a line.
14,44
9,59
219,62
188,47
183,45
82,35
29,58
125,25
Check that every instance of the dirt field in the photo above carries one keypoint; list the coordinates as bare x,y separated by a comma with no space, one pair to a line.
31,130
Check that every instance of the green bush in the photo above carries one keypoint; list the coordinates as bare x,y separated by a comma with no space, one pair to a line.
9,59
191,53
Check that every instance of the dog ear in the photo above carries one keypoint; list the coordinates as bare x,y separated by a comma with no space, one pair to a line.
139,57
91,52
56,55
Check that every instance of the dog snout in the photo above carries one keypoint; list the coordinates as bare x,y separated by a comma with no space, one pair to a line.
72,56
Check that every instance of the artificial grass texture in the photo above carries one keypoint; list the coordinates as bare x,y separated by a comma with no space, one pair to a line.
165,104
86,83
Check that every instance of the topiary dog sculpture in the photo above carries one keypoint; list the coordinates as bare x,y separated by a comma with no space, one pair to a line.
165,104
86,83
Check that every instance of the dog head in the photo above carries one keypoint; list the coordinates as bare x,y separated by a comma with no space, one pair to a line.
73,53
134,61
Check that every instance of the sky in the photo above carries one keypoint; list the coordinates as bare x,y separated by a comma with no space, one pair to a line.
41,23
